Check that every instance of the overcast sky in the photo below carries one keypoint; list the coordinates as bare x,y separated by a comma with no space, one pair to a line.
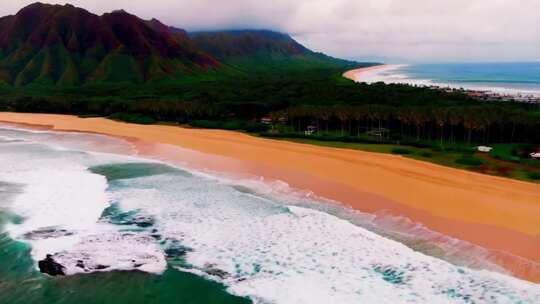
389,30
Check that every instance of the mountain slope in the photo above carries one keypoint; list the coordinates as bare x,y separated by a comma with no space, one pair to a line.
64,45
226,44
260,50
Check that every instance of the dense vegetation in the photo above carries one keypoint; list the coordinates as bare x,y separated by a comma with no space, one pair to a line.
53,61
223,45
317,97
447,119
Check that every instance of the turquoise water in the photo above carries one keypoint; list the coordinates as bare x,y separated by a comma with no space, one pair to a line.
21,283
521,76
149,232
502,78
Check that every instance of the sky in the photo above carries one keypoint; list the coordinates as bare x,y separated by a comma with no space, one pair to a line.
383,30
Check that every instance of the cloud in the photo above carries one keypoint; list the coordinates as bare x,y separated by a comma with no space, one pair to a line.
417,30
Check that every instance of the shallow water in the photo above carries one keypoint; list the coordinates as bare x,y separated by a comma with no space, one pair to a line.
21,283
135,230
511,78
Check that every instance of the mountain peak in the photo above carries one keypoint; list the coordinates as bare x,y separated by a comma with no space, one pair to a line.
39,7
64,44
231,43
157,25
119,11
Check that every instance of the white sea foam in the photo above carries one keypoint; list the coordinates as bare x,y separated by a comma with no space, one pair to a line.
261,246
396,227
69,140
394,74
61,204
277,253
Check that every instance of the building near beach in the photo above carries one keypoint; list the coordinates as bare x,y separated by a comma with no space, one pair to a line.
484,149
311,130
266,120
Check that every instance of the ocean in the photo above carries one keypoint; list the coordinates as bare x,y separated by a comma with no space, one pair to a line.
503,78
135,230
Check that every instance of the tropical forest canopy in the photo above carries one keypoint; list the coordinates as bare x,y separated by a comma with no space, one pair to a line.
62,59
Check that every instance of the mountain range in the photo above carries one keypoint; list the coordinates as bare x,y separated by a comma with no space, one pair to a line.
62,45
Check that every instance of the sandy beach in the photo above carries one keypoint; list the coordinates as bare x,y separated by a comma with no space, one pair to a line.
386,73
496,213
354,74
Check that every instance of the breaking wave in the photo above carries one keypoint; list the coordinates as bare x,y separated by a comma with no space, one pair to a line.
96,212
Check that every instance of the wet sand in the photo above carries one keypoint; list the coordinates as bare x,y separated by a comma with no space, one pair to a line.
499,214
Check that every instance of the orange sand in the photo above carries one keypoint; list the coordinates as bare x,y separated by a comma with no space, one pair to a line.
353,74
500,214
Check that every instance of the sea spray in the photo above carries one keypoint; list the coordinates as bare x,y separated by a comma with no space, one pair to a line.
266,245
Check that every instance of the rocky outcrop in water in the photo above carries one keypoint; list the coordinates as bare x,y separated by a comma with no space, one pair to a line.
51,267
45,233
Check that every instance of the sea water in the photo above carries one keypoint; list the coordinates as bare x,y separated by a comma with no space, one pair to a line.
505,78
133,230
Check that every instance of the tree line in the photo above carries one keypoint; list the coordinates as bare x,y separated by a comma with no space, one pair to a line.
479,123
317,97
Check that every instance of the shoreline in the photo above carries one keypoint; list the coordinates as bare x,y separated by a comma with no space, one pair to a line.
495,213
353,74
488,93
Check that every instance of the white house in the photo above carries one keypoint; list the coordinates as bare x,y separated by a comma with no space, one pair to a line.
311,130
266,120
484,149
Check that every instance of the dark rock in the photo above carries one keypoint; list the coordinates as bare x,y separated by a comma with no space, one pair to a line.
218,273
143,222
80,264
211,270
45,233
50,266
177,252
101,267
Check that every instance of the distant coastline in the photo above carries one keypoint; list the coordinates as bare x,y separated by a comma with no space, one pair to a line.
354,74
382,73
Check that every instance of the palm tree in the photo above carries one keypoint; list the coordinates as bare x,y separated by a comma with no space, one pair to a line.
325,114
359,114
455,118
343,115
402,116
418,120
441,116
516,117
468,124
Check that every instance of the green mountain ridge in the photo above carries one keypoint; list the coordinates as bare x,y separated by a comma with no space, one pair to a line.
64,46
262,50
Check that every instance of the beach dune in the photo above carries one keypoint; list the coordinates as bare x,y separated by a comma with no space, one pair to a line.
499,214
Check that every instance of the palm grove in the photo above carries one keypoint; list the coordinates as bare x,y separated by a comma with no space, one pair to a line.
317,98
63,59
